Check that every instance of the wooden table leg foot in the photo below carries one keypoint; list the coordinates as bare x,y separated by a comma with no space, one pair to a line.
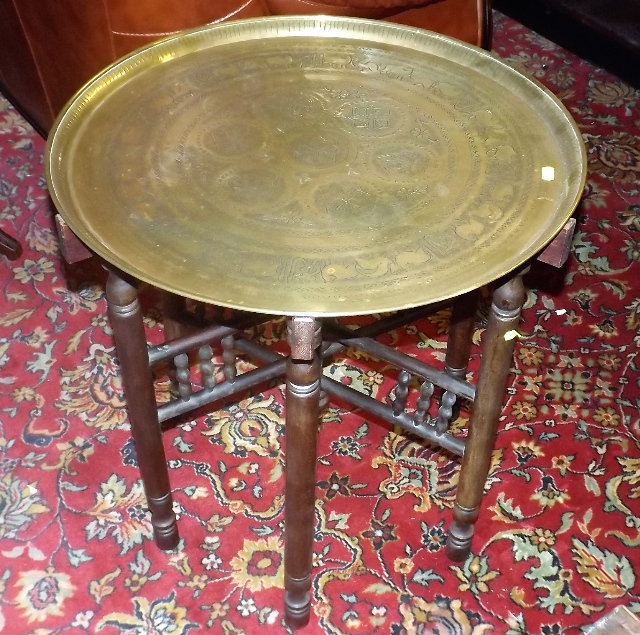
302,412
163,519
137,381
297,602
460,534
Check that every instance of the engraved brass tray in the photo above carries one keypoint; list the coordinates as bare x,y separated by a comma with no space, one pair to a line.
315,166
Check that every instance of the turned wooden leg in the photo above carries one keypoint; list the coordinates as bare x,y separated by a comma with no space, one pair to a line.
492,382
173,309
302,418
131,346
463,321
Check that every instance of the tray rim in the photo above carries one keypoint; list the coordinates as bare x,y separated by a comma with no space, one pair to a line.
322,26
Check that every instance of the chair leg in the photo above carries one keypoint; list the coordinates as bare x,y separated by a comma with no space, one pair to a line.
463,318
173,310
492,382
302,417
9,246
131,346
173,307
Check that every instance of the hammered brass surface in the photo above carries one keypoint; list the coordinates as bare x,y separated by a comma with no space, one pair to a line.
315,166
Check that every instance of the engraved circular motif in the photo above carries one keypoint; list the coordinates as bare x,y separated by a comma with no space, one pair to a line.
339,167
290,106
405,161
372,117
232,137
321,150
351,201
253,187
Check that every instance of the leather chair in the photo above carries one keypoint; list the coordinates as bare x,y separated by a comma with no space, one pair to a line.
9,247
48,50
467,20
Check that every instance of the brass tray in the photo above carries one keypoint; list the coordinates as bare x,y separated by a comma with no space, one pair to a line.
315,166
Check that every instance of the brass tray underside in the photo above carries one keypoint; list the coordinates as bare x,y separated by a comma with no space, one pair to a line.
315,166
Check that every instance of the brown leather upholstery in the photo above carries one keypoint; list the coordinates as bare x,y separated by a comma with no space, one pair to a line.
49,49
467,20
137,22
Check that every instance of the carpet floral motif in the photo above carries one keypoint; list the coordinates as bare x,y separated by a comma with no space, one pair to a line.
557,541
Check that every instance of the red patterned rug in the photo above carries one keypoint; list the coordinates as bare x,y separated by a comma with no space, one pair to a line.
557,541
